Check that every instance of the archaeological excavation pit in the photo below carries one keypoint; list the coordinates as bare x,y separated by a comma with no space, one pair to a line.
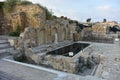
72,58
69,50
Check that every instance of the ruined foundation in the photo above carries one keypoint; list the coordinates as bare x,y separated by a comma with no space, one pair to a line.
70,58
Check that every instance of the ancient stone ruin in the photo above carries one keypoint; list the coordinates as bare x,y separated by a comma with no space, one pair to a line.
53,43
64,56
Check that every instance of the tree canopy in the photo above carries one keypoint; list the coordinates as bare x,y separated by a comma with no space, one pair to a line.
49,14
104,20
88,20
8,5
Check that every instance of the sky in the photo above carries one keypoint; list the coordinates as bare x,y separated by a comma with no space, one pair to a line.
80,10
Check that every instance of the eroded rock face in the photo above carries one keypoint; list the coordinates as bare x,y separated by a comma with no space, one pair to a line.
61,63
27,39
27,15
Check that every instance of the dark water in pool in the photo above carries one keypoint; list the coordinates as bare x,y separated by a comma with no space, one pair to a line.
75,48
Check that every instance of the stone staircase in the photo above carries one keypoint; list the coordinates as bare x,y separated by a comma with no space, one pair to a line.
4,47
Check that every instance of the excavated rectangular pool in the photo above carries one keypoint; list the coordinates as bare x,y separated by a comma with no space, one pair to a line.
71,58
69,50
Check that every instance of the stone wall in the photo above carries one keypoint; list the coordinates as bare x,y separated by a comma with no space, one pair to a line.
1,17
100,29
19,20
57,27
26,16
4,26
46,34
87,33
99,32
27,39
62,63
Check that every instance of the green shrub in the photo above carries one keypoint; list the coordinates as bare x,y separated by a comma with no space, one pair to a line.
36,14
71,21
40,6
62,17
26,3
9,4
78,29
54,17
16,33
49,14
88,20
65,18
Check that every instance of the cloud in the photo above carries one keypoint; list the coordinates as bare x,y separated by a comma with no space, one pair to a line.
103,8
62,8
57,7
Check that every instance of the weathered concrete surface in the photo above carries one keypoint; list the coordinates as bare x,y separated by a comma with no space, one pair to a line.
110,67
27,72
24,72
5,76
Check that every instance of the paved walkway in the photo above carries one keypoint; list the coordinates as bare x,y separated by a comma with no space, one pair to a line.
24,72
5,76
111,68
